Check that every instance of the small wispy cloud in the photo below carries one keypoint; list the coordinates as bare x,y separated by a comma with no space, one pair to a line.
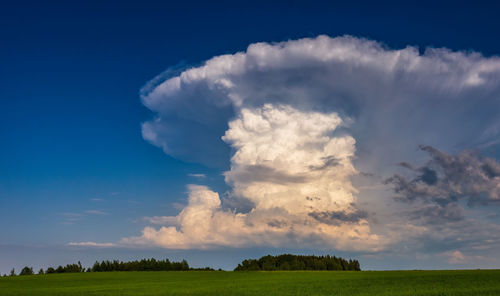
97,199
72,215
178,205
91,244
197,175
96,212
71,218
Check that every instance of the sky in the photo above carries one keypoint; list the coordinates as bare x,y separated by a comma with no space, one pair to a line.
219,132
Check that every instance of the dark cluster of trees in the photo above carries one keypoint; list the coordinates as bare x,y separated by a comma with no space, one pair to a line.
142,265
298,262
69,268
25,271
138,265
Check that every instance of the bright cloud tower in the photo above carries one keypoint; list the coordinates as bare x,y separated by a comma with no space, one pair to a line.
294,171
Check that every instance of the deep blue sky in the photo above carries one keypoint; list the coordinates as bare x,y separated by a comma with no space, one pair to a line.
70,110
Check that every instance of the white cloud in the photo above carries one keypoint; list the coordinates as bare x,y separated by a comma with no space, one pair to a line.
456,257
288,159
197,175
91,244
304,117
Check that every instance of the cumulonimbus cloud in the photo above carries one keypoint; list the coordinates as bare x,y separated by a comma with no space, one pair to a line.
302,117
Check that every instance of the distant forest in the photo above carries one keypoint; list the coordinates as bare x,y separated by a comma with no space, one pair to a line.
142,265
266,263
297,262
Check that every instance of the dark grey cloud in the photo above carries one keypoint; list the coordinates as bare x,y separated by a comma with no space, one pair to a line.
339,217
439,189
436,198
429,176
238,204
327,162
449,178
277,223
491,168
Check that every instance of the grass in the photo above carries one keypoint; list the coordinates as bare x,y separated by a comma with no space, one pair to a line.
370,283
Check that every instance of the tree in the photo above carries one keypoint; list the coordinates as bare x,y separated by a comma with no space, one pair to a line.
184,265
12,272
41,271
50,270
267,263
27,271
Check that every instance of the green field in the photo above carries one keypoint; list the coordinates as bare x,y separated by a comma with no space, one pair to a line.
370,283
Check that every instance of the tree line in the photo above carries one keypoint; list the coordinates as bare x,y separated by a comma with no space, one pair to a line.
106,265
266,263
142,265
298,262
